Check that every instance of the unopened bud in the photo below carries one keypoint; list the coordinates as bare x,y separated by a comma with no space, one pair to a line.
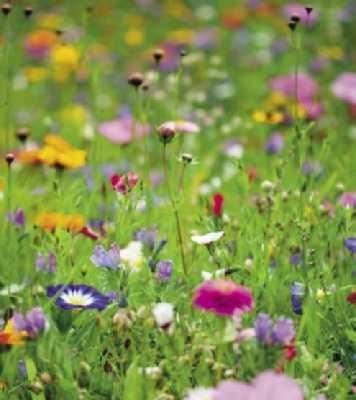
9,158
158,55
6,8
135,79
167,132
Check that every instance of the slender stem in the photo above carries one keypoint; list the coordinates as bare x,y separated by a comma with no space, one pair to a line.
181,179
175,210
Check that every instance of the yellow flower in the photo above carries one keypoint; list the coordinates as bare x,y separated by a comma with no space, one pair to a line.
332,52
72,158
75,114
10,336
65,60
320,294
134,37
49,21
181,36
36,74
269,117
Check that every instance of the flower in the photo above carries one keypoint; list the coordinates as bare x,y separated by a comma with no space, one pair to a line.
218,202
350,244
208,237
200,393
124,183
348,199
33,323
49,264
283,331
39,43
274,144
65,60
344,87
223,297
266,386
123,130
263,328
106,258
17,218
11,336
78,297
298,9
53,220
164,270
297,294
163,314
147,236
132,256
166,132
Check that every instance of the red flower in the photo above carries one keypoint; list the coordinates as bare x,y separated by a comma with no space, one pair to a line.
87,231
290,352
351,298
218,203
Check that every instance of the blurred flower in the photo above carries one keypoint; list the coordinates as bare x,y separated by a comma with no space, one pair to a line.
124,183
233,148
53,220
218,203
163,314
148,236
268,117
299,9
48,264
132,256
283,331
350,244
11,336
344,87
266,386
351,298
106,258
208,237
274,143
223,297
39,43
123,130
200,393
348,199
78,297
297,294
17,218
33,323
65,60
263,328
164,270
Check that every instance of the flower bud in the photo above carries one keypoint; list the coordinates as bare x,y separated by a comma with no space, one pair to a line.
166,132
158,55
9,158
28,11
135,79
6,8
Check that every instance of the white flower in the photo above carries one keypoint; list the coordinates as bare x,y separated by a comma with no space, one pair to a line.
163,314
200,393
206,275
208,237
152,372
235,151
132,256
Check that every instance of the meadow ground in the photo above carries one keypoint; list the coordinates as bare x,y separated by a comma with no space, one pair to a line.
177,200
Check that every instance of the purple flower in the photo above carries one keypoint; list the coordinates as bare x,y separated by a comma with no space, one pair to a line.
307,87
22,369
147,236
78,297
283,331
350,244
263,328
17,218
297,294
34,322
296,258
49,264
274,143
312,168
106,258
164,270
348,199
344,87
298,9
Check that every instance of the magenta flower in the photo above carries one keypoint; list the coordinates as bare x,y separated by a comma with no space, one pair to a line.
344,87
123,130
124,183
348,199
223,297
307,87
266,386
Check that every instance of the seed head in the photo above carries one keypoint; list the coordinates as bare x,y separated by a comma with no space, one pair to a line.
9,158
22,134
187,158
183,53
28,11
6,8
135,79
158,55
292,25
308,9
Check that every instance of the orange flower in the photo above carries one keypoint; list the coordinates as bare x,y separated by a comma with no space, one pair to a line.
50,221
10,336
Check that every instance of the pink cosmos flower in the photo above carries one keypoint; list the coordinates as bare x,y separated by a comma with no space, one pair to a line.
223,297
299,9
344,87
183,126
266,386
307,87
123,130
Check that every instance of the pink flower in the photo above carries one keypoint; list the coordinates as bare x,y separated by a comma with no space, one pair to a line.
348,199
266,386
218,203
299,9
123,130
223,297
344,87
124,183
307,87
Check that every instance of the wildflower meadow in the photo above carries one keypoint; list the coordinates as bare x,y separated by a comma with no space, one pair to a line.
177,200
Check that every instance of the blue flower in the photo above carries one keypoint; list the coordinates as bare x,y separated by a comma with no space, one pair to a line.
106,258
78,297
297,294
164,270
350,244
